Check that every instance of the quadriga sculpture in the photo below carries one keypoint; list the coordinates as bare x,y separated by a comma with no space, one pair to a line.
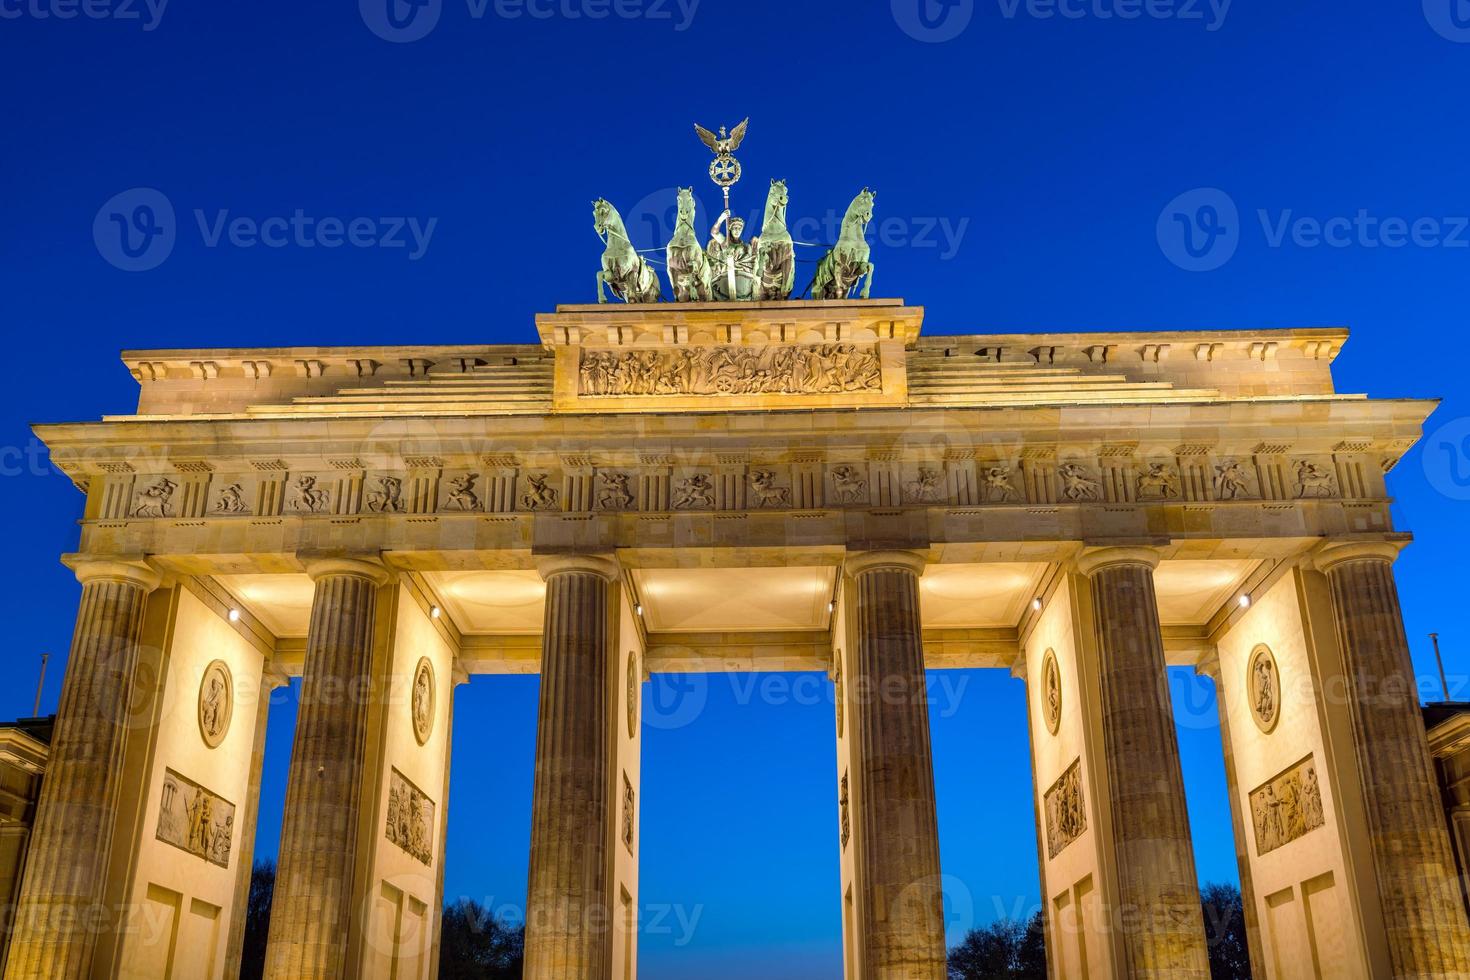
850,260
624,271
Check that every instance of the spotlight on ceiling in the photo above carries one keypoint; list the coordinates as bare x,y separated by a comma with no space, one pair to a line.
435,612
1245,602
1036,604
234,615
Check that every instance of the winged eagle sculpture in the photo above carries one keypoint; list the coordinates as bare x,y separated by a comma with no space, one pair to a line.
723,144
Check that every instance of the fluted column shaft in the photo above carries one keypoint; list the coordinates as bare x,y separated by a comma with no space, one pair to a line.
1160,925
311,915
60,914
569,912
1422,911
903,931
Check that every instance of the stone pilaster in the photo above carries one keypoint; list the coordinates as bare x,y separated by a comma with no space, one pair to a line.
903,931
60,901
1210,666
311,915
569,902
1158,918
1422,911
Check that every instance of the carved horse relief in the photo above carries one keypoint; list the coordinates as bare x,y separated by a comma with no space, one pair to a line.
624,271
850,261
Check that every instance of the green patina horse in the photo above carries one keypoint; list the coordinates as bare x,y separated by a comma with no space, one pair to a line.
847,263
775,264
631,279
689,269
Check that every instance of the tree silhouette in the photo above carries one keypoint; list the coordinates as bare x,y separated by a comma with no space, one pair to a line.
475,945
257,919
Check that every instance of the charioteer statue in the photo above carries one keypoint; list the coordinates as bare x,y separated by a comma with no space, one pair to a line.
730,268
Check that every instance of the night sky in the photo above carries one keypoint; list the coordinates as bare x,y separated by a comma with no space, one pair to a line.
1042,165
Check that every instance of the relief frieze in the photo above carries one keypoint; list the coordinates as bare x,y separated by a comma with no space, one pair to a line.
1066,817
813,369
195,819
410,818
1287,807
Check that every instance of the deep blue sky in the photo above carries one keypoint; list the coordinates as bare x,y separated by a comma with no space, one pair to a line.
1054,143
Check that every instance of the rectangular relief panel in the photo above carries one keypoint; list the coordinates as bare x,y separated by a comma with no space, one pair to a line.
410,818
1066,817
195,819
1287,807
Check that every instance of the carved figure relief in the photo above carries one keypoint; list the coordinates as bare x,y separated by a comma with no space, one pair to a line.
308,497
842,802
837,692
462,494
850,484
630,811
998,486
1066,817
422,700
635,693
216,703
770,370
1051,692
693,493
924,490
1160,482
231,500
1231,481
767,494
388,497
539,494
410,817
613,492
1314,481
1263,686
1077,485
195,819
157,500
1287,807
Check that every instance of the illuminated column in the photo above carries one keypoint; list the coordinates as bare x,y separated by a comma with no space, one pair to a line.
1210,666
55,924
569,907
1422,909
311,915
1160,923
903,915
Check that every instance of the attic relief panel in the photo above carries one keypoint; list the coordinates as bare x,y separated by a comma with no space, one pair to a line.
819,369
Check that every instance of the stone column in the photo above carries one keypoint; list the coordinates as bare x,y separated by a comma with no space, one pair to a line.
1210,666
569,902
56,924
1422,911
1158,918
903,928
311,915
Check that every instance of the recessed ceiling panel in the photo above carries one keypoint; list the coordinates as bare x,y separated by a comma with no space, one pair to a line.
282,603
993,594
707,600
492,601
1190,592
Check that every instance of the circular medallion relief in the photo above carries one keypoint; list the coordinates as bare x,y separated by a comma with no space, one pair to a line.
1051,692
1263,684
635,688
216,702
423,700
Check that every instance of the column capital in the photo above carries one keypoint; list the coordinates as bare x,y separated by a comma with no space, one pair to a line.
866,561
1092,560
603,565
136,573
1334,552
369,568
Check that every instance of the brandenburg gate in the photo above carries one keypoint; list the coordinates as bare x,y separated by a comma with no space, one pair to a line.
716,486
